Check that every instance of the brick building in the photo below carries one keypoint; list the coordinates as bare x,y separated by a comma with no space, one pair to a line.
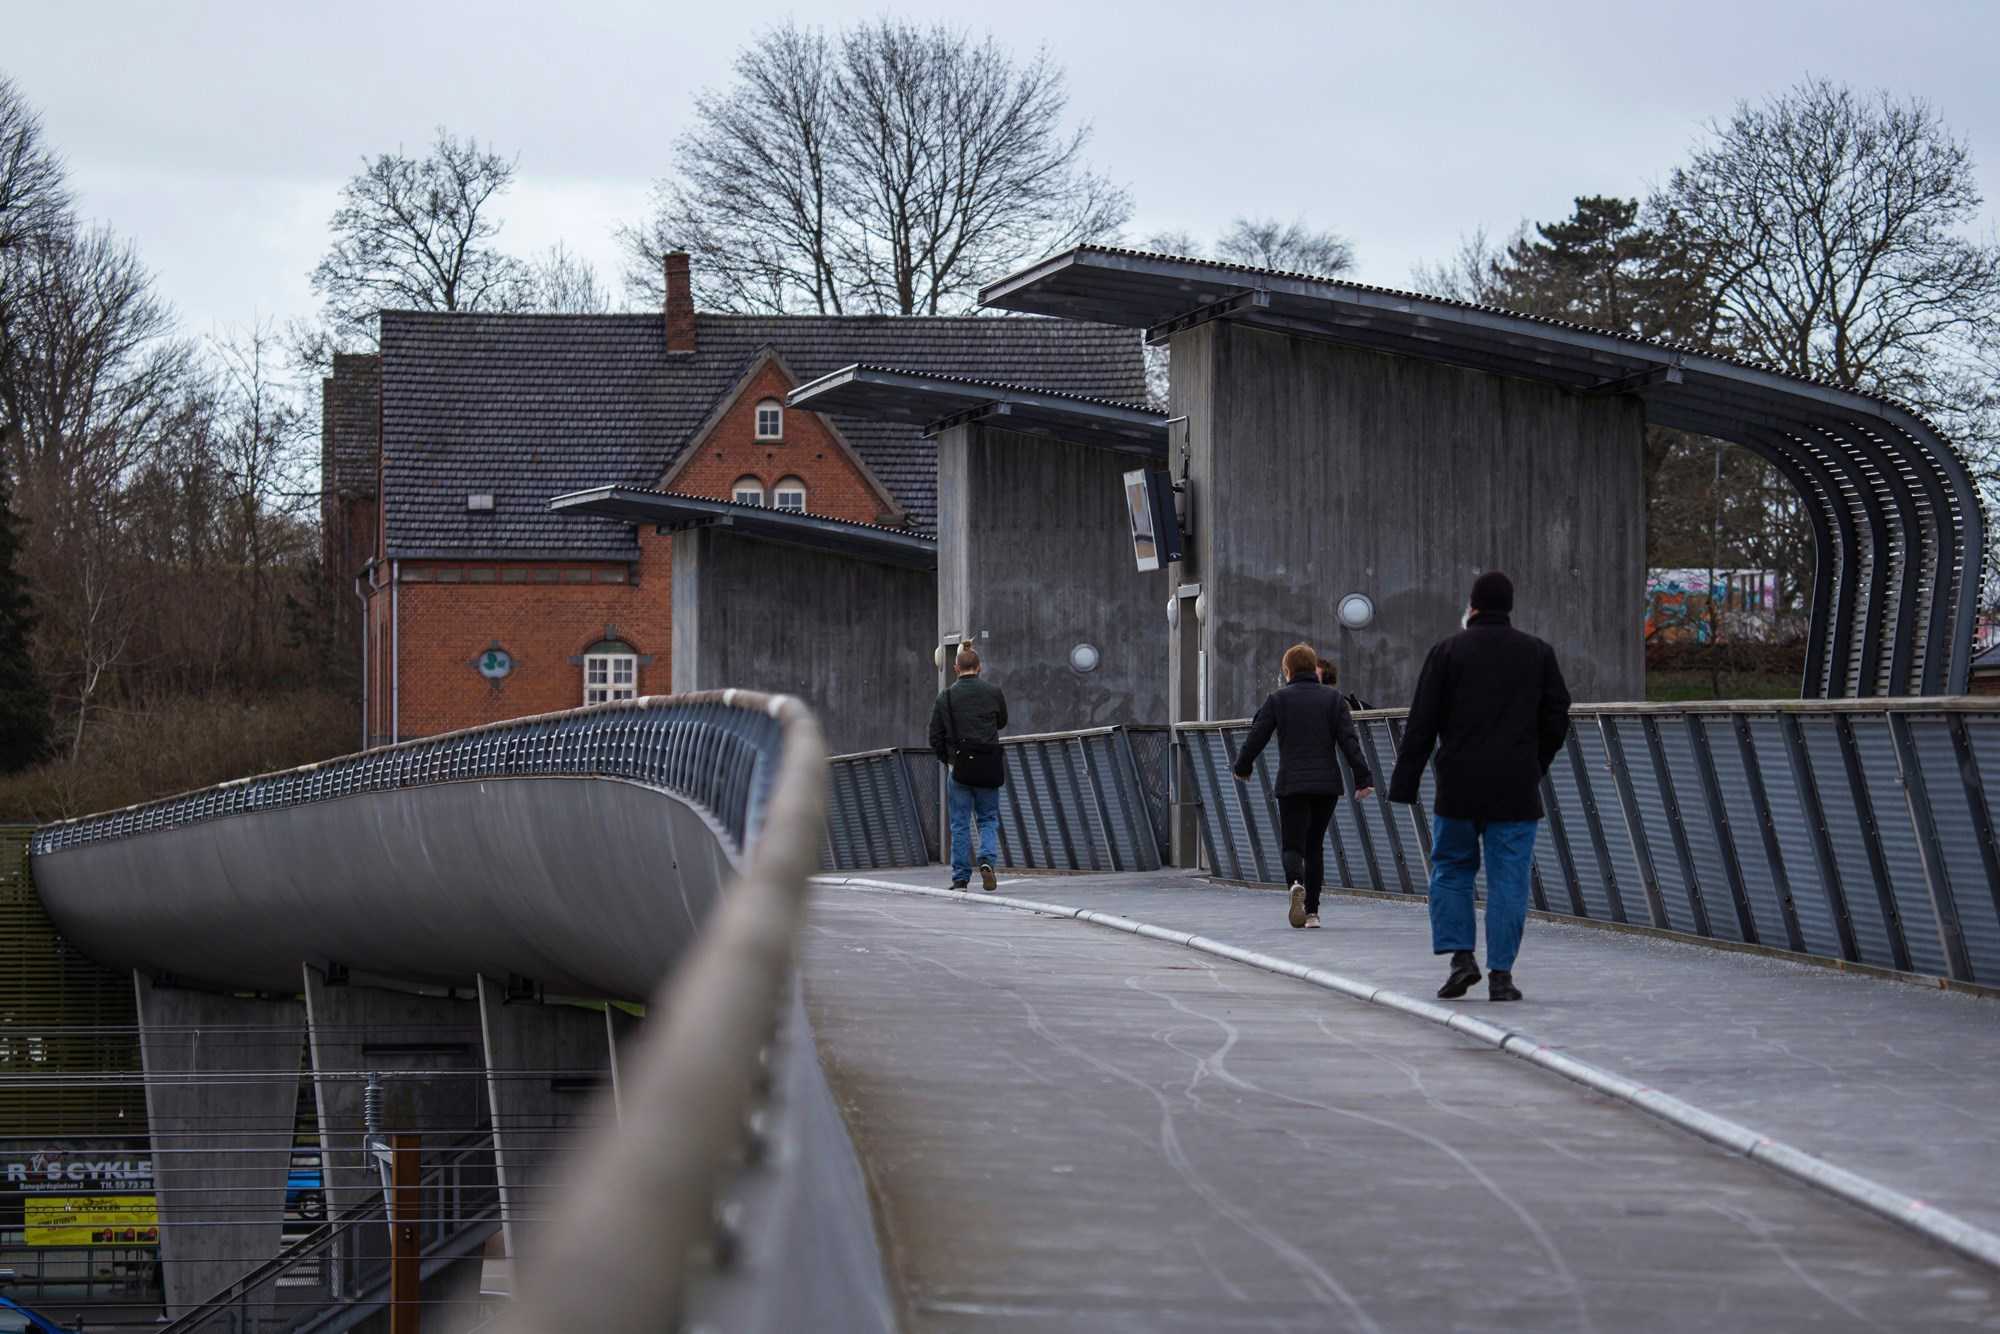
441,453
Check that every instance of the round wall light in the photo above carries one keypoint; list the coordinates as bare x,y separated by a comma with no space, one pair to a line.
937,657
1084,658
1173,613
1356,612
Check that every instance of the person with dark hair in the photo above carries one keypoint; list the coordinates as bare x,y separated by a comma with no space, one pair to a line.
1329,675
966,722
1491,700
1311,722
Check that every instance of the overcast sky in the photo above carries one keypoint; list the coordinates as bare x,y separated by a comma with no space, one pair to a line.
216,135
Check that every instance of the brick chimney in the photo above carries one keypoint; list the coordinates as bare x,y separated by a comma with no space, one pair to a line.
680,304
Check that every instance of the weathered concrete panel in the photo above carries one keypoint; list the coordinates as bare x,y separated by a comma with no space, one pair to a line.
546,1066
355,1030
1321,470
853,638
1034,557
221,1145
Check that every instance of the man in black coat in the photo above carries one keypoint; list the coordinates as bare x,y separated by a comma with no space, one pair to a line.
1311,722
1492,701
966,721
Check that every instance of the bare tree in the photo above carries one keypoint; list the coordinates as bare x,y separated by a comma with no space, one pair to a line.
1835,226
1266,243
34,209
891,170
259,449
754,200
417,234
562,282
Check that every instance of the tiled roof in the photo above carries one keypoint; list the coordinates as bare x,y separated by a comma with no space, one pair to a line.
354,420
533,406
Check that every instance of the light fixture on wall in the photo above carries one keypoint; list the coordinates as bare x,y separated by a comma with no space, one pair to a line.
1173,613
1084,658
1356,611
937,657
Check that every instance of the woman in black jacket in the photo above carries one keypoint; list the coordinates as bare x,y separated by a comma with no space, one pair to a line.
1310,721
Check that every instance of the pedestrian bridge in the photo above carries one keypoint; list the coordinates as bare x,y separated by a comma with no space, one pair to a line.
575,960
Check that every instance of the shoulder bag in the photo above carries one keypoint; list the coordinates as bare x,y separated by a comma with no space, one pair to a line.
973,763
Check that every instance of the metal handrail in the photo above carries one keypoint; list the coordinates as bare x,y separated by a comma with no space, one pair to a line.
642,1195
1858,831
648,740
321,1239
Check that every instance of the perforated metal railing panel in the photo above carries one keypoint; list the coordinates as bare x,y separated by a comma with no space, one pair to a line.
1094,800
1857,830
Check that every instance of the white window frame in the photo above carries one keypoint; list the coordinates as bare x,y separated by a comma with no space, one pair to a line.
777,428
609,676
789,486
738,491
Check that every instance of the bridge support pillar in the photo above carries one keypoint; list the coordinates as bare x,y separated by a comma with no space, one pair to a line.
431,1056
222,1097
543,1064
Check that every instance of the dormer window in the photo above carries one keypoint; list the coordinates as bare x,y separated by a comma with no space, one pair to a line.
770,420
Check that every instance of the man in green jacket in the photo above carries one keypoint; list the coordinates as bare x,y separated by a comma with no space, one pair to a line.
965,736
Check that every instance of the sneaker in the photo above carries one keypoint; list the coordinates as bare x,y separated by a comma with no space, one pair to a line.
1464,972
1298,913
1312,921
1500,986
958,884
986,880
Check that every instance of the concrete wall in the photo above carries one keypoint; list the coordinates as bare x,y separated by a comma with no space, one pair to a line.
221,1198
851,637
1319,470
1034,557
546,1066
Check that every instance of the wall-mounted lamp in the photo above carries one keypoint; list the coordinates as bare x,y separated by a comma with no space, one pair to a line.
1356,611
1084,658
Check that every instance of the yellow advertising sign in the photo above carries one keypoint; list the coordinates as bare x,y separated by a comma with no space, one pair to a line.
91,1220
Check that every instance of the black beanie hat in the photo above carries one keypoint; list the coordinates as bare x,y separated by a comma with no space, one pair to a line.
1493,591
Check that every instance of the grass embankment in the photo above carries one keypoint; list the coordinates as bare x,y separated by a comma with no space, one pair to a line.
179,744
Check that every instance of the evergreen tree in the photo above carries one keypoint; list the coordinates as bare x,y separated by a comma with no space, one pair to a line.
24,701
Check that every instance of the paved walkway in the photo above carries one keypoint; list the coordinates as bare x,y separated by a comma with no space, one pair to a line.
1898,1082
1070,1128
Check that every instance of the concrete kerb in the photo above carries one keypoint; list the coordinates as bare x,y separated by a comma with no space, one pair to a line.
1969,1240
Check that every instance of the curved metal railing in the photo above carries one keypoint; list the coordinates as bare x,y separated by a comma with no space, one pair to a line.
713,1080
711,748
1854,830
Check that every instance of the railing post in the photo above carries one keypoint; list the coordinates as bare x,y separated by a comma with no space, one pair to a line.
1878,865
1937,879
1773,854
1690,886
1815,812
1718,814
1982,819
1635,830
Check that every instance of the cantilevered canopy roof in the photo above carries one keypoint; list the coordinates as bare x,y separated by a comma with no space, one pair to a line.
673,511
936,402
1896,518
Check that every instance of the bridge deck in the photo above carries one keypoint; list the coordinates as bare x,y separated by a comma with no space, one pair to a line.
1070,1128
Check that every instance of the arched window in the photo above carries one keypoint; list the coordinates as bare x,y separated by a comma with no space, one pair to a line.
610,671
747,491
770,420
789,494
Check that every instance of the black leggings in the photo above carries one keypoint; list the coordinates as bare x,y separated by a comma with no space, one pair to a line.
1302,822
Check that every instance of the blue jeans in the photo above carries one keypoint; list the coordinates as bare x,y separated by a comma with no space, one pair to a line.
1510,864
967,802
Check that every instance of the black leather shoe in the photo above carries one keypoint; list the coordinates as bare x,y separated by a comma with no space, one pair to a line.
1500,986
1464,973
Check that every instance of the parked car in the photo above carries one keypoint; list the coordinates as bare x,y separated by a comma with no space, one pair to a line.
18,1319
